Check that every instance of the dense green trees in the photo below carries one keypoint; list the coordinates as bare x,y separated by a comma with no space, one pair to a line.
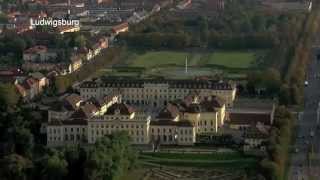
9,94
11,48
107,57
54,166
14,167
156,40
264,83
274,166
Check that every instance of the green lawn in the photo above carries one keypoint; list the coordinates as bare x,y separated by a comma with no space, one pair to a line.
194,156
223,160
228,59
160,58
233,59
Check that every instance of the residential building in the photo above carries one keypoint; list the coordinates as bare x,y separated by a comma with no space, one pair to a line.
244,118
75,63
38,54
184,4
123,27
215,4
42,80
65,29
255,139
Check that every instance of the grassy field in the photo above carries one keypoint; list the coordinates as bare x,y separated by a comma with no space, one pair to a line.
227,59
171,64
221,160
232,59
151,59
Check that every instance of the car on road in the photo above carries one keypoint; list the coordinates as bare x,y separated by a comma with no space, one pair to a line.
306,83
311,133
299,136
296,150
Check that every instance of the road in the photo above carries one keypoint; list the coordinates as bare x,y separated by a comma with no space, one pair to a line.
301,168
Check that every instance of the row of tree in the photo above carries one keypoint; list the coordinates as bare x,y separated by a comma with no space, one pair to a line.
300,57
107,57
248,41
159,40
274,166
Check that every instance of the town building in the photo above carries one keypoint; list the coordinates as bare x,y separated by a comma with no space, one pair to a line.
65,29
243,118
38,54
255,139
75,63
123,27
215,4
30,86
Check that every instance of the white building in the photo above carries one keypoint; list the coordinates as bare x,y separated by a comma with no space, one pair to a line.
156,92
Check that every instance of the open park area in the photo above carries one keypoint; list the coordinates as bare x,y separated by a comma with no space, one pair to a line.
227,59
230,64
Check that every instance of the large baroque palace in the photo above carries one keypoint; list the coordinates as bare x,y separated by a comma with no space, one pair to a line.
185,108
157,92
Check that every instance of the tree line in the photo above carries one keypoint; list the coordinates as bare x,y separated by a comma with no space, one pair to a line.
274,166
107,57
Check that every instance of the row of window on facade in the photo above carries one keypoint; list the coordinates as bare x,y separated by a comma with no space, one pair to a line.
57,131
67,137
93,139
186,131
103,132
170,138
117,126
133,90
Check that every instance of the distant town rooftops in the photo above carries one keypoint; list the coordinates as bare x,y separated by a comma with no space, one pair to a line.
36,49
120,27
250,118
166,122
119,108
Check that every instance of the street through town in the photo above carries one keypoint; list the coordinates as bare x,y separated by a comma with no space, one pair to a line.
305,155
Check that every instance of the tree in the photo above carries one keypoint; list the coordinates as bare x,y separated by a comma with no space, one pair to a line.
272,81
9,94
110,158
14,167
284,95
259,23
204,29
23,141
3,18
270,169
62,83
98,165
75,157
54,167
80,41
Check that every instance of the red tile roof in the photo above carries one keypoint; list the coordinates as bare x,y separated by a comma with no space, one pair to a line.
36,49
120,27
